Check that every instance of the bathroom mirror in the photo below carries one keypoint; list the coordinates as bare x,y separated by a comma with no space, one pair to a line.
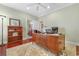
14,22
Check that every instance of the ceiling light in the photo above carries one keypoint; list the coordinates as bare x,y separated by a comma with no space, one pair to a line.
48,7
28,8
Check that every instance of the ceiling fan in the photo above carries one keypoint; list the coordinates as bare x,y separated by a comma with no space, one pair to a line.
38,6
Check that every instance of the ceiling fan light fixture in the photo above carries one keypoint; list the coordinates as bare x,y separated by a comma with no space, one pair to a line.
28,8
48,7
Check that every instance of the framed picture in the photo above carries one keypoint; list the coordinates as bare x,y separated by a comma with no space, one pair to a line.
14,22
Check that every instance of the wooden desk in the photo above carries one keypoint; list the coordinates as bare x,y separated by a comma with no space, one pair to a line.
55,43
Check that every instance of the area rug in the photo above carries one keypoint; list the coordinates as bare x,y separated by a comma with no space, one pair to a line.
29,49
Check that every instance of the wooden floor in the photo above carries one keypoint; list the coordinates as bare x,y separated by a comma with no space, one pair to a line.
4,47
2,50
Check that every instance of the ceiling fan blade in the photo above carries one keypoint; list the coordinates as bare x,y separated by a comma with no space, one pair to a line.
37,7
42,5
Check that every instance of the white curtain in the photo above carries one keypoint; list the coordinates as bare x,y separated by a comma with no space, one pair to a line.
0,30
5,36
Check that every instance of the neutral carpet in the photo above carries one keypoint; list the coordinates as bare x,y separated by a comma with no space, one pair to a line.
29,49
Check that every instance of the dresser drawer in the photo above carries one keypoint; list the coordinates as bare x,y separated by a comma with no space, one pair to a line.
61,44
77,50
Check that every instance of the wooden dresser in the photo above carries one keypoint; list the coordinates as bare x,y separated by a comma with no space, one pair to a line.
14,35
40,39
77,50
55,43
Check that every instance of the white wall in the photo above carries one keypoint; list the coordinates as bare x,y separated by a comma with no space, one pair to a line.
12,13
66,18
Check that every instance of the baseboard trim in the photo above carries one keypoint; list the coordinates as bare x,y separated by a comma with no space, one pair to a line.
72,43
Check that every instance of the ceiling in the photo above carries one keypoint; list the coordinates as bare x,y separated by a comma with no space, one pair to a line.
37,9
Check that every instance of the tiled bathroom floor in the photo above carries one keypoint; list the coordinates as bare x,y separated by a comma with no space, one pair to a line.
29,49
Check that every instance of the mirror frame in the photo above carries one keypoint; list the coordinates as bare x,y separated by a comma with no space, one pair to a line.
12,19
